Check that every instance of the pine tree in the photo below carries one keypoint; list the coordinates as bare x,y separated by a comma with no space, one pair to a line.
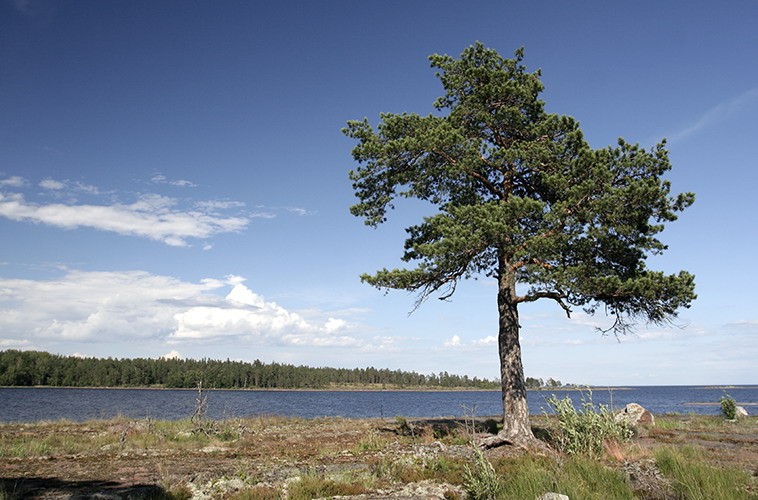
520,197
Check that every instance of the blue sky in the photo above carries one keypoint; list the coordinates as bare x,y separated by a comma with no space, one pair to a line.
173,180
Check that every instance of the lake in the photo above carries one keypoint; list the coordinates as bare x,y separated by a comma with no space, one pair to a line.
35,404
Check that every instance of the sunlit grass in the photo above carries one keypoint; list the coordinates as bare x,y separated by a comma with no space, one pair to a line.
694,479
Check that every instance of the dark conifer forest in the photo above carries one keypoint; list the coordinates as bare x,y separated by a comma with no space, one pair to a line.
36,368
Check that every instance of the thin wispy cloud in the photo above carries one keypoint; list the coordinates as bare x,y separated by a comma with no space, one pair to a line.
151,216
51,184
716,113
300,211
14,181
67,187
162,179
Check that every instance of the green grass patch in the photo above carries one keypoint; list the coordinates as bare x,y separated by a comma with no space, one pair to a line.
577,476
311,486
694,479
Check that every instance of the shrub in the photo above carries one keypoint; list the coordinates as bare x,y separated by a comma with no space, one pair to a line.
585,431
480,479
728,407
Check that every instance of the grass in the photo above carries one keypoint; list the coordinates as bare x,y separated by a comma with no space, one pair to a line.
577,476
694,479
312,486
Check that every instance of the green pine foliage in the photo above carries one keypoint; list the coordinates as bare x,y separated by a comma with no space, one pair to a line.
518,193
36,368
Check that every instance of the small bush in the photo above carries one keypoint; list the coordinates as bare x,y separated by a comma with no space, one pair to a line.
480,479
585,431
728,407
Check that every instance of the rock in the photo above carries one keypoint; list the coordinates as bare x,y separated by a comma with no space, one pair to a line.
552,496
635,415
741,412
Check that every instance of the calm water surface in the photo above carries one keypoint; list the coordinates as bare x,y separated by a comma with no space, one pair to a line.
32,404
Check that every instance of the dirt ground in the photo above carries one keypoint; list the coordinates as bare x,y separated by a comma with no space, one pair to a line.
143,459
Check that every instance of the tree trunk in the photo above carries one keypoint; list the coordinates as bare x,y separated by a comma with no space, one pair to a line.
516,428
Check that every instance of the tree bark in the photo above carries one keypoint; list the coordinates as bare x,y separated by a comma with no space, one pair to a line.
516,428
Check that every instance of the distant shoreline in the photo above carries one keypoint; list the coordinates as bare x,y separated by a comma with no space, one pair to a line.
325,389
711,387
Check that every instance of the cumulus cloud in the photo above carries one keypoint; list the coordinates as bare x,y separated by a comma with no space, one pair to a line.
151,216
174,354
255,318
134,305
454,341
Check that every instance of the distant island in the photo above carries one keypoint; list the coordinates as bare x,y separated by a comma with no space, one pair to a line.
37,368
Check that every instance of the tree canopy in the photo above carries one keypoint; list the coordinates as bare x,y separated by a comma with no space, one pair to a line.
510,180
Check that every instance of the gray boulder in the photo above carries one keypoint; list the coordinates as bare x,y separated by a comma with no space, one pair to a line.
635,415
552,496
741,412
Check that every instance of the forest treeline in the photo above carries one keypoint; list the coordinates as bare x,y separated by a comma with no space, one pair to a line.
37,368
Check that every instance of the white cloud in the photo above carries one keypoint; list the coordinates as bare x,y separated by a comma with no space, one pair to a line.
174,354
14,181
161,179
51,184
13,343
454,341
300,211
136,305
151,216
219,205
254,318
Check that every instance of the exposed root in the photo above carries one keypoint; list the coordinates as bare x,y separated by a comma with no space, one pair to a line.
527,442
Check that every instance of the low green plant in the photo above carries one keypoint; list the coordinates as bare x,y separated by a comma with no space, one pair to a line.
371,443
694,479
480,479
178,493
586,431
312,486
728,407
257,493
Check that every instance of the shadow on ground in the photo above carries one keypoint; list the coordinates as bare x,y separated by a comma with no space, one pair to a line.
59,489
